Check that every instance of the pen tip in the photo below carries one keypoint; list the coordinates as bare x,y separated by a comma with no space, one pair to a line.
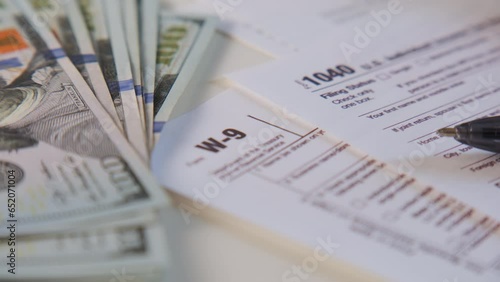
447,132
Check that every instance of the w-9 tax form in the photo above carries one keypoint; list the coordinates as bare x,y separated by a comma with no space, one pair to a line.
387,86
266,166
282,28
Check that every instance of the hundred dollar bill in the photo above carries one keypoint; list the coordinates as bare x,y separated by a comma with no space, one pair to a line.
105,25
131,26
67,23
130,248
149,38
62,158
182,43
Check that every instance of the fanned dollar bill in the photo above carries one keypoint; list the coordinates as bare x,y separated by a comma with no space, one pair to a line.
131,25
149,38
126,248
67,23
62,158
181,45
105,25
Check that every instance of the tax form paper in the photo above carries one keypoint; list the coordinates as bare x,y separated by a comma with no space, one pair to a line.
388,85
299,22
268,167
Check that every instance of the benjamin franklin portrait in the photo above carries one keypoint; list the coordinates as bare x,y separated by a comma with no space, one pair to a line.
39,103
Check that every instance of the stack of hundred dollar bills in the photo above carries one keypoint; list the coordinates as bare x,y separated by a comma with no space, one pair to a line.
85,88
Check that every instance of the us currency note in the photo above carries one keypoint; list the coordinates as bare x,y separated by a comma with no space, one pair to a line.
105,25
182,43
62,158
131,26
129,247
67,23
149,35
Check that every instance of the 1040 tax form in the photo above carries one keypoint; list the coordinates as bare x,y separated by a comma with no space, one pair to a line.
266,166
387,88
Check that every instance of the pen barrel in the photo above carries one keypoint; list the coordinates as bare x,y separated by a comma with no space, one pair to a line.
483,134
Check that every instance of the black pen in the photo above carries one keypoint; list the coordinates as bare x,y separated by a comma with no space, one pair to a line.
482,133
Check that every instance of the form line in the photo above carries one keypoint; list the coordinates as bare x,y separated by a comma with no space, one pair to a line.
268,123
448,150
312,160
415,95
443,105
417,55
273,155
313,191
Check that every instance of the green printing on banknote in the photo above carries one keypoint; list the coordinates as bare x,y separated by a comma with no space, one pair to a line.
71,160
111,46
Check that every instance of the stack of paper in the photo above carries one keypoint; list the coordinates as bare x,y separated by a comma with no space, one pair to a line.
367,181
